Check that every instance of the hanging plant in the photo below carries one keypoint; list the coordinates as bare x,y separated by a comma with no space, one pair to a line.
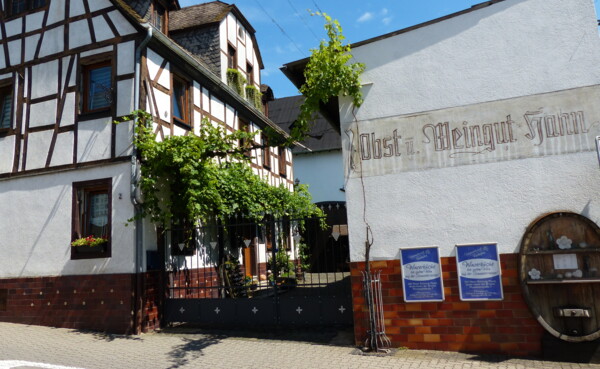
328,74
236,80
254,96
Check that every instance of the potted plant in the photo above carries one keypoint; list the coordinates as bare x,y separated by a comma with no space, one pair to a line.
90,244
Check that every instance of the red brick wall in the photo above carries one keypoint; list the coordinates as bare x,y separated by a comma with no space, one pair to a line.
505,327
96,302
152,301
194,283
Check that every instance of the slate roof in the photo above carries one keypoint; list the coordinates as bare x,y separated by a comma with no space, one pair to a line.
322,136
198,15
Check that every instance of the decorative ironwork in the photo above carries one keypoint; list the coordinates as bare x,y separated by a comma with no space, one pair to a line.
376,338
284,272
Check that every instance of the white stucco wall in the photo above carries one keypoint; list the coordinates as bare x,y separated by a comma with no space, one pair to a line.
309,169
36,242
510,49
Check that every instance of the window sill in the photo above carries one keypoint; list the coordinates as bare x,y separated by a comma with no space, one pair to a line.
180,123
105,113
6,132
90,252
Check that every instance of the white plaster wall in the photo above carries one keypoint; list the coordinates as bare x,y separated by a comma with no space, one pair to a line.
125,59
7,153
122,25
217,108
76,9
510,49
79,34
125,97
14,27
63,149
56,12
323,172
231,30
99,4
53,41
469,204
38,146
42,113
33,21
38,241
101,29
94,140
68,115
196,93
45,79
205,100
14,52
31,43
163,102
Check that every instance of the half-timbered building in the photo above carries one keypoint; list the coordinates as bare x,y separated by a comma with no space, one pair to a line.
68,69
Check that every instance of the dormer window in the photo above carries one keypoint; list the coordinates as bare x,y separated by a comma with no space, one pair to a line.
16,7
158,18
250,74
231,60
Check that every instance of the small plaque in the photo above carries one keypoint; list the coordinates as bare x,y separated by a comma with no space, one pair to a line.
565,261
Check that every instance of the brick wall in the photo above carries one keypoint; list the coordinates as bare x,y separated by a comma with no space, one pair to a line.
152,301
94,302
505,327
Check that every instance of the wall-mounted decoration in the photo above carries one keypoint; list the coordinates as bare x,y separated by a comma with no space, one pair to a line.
564,294
479,276
421,274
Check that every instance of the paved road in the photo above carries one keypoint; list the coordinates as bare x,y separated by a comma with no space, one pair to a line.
27,347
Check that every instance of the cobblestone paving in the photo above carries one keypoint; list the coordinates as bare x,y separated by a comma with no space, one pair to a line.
25,347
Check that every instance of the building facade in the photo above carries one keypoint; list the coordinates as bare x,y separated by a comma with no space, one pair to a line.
68,69
475,127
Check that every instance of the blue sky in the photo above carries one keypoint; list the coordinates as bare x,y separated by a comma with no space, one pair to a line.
286,32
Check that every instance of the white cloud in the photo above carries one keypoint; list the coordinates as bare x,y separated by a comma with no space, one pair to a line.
383,12
386,20
365,17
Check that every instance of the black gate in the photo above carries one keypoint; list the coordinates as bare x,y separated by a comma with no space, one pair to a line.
277,273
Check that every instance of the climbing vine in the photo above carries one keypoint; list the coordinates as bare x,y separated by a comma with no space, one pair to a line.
200,178
328,74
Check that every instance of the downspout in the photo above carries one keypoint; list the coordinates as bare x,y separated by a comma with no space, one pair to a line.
135,193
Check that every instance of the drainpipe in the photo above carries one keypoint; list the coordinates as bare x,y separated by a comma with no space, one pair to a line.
135,193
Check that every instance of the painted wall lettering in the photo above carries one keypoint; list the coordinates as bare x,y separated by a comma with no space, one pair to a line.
530,126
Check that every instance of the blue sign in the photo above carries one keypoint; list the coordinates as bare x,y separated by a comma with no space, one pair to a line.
422,274
479,276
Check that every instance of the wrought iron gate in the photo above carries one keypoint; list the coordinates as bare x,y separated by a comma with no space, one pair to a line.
248,275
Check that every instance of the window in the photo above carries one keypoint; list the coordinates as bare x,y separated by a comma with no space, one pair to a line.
266,152
158,19
92,217
231,61
6,103
244,143
16,7
282,162
96,87
250,73
180,100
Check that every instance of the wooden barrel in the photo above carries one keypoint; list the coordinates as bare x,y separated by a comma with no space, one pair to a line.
559,270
